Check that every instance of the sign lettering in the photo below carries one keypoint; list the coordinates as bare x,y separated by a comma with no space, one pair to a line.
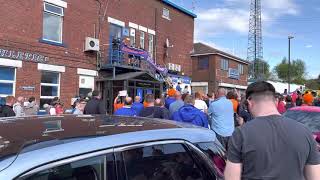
23,56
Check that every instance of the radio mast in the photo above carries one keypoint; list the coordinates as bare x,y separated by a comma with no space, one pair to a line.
255,46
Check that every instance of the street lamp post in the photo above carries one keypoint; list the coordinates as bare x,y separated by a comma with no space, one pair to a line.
289,58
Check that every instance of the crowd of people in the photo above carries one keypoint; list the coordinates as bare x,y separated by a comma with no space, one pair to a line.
260,143
19,107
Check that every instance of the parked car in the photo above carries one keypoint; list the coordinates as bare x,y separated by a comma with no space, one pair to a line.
89,147
308,116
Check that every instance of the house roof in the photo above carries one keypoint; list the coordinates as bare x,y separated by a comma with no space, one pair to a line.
200,49
185,11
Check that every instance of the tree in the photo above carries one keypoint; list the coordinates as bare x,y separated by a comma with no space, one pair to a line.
313,84
262,69
297,71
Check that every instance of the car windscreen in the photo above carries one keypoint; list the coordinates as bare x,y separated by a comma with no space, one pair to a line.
310,119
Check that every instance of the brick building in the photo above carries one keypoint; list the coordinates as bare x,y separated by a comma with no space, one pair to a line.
213,68
43,43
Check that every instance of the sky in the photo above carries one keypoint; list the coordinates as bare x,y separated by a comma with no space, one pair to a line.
224,24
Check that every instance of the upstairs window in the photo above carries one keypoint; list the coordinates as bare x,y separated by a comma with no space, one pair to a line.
224,64
132,37
142,34
52,23
240,68
203,63
151,45
166,13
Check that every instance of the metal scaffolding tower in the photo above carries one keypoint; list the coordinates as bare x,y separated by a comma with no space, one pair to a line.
255,47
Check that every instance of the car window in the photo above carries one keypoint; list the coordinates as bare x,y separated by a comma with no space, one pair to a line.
310,119
159,162
216,154
88,169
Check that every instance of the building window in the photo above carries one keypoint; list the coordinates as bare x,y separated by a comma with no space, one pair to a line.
224,64
166,13
132,37
151,45
142,40
7,82
203,63
240,68
52,23
50,87
86,85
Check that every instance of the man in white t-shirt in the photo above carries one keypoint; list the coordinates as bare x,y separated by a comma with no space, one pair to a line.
199,103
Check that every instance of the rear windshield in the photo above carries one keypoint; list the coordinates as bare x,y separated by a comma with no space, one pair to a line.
310,119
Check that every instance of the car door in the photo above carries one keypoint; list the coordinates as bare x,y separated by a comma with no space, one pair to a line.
170,160
83,167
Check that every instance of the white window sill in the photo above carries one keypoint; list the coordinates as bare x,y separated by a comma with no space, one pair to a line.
166,18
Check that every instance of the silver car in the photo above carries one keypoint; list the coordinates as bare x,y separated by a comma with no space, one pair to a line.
107,148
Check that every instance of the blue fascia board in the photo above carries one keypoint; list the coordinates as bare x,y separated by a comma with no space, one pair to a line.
168,2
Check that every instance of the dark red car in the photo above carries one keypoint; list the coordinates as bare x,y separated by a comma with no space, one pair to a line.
308,116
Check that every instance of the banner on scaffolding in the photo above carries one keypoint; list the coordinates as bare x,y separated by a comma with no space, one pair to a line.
144,55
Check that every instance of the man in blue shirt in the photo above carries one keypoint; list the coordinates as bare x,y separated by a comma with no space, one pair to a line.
222,119
126,110
137,105
190,114
175,106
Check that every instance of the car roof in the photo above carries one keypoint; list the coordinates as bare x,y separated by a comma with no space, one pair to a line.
306,109
23,139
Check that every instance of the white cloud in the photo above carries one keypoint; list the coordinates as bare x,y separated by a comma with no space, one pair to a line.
308,46
233,17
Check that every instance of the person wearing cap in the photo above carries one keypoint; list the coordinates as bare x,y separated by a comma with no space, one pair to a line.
170,99
127,109
95,105
308,99
271,146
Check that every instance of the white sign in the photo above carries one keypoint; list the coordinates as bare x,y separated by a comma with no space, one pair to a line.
123,93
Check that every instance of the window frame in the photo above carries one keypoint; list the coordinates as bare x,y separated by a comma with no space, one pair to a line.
9,82
53,14
151,39
164,15
142,38
240,68
50,165
51,85
193,151
224,64
200,59
133,37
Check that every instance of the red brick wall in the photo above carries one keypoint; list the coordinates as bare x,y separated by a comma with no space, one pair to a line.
148,13
214,75
21,28
222,75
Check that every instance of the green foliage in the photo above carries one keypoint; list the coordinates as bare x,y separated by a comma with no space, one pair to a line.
297,71
262,69
313,84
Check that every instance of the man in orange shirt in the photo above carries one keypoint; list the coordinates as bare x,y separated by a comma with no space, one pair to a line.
233,98
117,104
